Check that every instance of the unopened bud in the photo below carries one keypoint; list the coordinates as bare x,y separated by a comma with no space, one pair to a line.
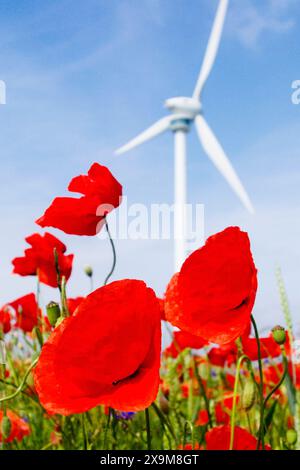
291,436
164,404
88,271
53,312
248,395
5,427
279,335
39,336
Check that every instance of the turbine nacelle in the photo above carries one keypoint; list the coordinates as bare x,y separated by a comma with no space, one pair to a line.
187,107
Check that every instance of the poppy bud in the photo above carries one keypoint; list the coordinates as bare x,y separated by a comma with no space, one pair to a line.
291,436
248,396
279,335
88,271
39,335
53,312
164,404
5,427
2,352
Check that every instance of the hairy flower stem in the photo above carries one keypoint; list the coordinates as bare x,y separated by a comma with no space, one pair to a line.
163,420
61,283
147,416
20,387
203,392
64,303
287,315
285,370
114,254
235,391
188,425
261,431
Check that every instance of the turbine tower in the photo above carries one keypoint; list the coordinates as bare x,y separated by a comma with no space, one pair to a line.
184,111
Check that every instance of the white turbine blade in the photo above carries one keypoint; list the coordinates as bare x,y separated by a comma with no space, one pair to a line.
220,160
160,126
212,47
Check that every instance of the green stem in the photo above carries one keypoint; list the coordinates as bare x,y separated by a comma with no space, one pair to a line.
285,370
47,446
84,432
114,254
163,420
202,388
187,425
148,428
106,429
261,432
235,391
20,387
64,305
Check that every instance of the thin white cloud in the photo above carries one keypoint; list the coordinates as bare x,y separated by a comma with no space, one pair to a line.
249,20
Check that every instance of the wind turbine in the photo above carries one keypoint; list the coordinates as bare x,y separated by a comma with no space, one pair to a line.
185,111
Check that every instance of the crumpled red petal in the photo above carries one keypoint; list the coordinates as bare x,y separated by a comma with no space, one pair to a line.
107,353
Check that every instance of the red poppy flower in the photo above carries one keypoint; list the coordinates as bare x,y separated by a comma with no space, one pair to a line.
218,438
272,374
84,215
107,353
202,418
19,428
26,311
297,370
218,356
172,305
268,348
221,416
230,379
39,259
72,304
5,325
213,295
185,390
190,447
162,308
181,341
228,400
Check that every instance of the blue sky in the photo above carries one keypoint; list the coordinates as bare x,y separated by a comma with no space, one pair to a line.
84,77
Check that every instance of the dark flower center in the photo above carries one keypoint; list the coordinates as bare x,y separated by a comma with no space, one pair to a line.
244,302
131,376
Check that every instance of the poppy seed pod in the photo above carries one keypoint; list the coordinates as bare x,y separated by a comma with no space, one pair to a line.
279,335
291,436
53,313
6,427
88,271
248,396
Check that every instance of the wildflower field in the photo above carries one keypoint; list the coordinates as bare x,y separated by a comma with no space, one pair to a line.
89,373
